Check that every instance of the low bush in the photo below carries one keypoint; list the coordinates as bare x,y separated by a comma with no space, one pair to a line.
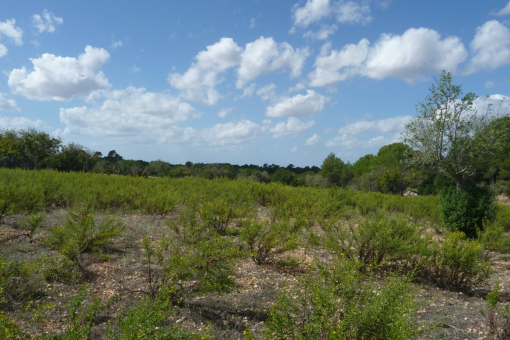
266,240
9,330
464,210
495,313
19,282
82,233
341,303
492,236
148,319
377,240
456,263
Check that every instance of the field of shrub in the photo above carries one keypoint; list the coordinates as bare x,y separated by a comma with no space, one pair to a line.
95,256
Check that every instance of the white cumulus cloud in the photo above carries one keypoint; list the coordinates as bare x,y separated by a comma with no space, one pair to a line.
410,57
3,50
292,127
20,123
322,34
46,21
7,104
491,47
393,124
313,10
504,11
129,112
231,133
61,78
265,55
299,105
313,140
199,81
9,30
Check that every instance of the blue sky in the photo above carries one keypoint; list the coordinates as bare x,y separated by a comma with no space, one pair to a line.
239,81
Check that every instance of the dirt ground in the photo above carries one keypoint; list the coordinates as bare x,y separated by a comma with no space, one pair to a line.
121,278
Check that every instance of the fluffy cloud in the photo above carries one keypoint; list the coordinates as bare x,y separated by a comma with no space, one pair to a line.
313,140
334,66
489,84
299,105
231,133
46,21
265,55
129,112
7,104
20,123
9,30
223,113
292,127
491,47
503,11
410,56
417,52
199,80
366,134
61,78
345,12
313,10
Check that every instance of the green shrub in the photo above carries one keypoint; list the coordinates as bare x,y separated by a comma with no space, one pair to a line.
503,216
148,320
32,222
218,212
82,233
58,269
19,282
9,329
464,210
265,240
493,238
377,240
341,303
494,313
456,263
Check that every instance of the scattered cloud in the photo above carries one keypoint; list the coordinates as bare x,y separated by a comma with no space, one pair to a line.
297,87
322,34
313,140
129,113
199,81
231,133
20,123
489,85
334,66
7,104
3,50
345,12
491,47
410,57
135,69
294,149
503,11
9,30
292,127
117,44
223,113
265,55
312,11
249,90
389,125
253,23
267,93
46,21
61,78
299,105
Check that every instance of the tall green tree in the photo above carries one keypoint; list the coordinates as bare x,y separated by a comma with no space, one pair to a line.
28,148
451,136
335,170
